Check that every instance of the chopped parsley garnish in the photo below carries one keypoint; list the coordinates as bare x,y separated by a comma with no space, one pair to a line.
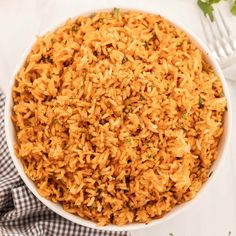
47,59
184,116
125,59
141,98
200,102
74,28
128,109
206,8
117,13
146,44
101,21
151,156
233,8
213,1
128,140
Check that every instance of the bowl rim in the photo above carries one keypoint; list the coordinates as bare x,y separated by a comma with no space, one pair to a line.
55,207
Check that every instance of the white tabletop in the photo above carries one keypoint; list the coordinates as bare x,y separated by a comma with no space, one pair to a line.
214,214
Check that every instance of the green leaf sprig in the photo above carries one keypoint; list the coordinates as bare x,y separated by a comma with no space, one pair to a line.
207,7
116,13
233,8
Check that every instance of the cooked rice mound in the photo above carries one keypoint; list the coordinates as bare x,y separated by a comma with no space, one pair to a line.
118,117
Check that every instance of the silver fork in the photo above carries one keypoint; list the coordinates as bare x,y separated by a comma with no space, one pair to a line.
220,40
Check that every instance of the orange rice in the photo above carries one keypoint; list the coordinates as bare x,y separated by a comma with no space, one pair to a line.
118,117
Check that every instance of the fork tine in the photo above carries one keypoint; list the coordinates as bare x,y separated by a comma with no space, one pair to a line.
218,48
218,25
219,39
225,40
206,35
228,31
208,38
224,23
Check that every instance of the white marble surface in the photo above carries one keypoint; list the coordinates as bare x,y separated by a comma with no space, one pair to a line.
214,214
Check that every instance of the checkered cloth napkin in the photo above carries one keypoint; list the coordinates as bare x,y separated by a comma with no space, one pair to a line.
21,214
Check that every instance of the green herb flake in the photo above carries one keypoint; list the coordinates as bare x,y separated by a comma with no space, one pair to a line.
184,116
101,21
47,59
128,109
124,60
151,156
128,205
117,13
74,28
233,8
81,87
206,8
200,102
128,140
146,44
213,1
141,98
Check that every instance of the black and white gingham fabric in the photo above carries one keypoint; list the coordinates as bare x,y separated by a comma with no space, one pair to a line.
21,214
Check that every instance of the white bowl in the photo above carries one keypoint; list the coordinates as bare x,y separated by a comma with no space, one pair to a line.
11,140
